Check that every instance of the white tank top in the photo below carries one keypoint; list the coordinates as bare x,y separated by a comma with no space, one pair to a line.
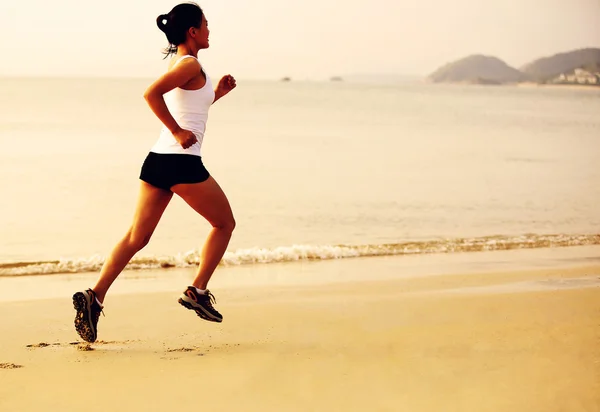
189,108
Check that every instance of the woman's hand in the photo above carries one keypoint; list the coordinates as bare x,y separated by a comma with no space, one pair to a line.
185,138
226,84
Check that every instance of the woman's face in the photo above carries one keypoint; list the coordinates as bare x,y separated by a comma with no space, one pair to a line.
201,34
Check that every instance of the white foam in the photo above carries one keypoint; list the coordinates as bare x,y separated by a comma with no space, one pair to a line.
308,252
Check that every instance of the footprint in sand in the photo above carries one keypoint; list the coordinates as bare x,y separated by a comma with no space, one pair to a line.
180,350
10,366
43,345
83,346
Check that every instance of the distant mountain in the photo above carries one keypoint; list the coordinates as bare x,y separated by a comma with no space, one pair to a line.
477,69
548,68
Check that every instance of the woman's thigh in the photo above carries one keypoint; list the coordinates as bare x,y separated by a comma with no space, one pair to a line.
208,199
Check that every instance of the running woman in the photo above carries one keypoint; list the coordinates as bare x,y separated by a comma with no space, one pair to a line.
181,99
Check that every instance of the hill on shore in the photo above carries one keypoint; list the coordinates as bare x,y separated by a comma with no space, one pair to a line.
480,69
477,69
548,68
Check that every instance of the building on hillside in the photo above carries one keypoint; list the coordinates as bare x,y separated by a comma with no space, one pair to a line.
579,76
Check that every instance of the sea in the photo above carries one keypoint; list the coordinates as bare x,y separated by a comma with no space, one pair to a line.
313,171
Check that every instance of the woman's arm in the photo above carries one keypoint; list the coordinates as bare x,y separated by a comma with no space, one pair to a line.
176,77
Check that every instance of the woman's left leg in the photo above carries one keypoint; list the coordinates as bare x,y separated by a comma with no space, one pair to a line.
208,200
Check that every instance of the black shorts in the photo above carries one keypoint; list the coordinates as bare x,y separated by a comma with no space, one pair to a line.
166,170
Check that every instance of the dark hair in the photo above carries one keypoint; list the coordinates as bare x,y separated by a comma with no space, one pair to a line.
176,24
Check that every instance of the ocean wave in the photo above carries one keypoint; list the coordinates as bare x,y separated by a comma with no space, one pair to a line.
306,253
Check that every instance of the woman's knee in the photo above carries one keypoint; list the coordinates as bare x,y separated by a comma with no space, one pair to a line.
137,240
226,225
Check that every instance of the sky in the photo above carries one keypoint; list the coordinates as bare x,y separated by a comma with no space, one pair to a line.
308,39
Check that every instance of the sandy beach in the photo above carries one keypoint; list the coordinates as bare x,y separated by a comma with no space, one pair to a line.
519,340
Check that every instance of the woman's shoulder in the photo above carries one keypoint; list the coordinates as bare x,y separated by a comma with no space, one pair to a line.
188,59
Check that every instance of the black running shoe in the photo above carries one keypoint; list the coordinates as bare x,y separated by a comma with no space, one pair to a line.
201,304
88,312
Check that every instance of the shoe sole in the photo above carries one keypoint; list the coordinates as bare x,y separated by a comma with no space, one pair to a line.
199,311
83,318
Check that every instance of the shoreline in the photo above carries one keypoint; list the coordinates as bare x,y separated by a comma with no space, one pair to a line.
302,273
560,86
524,85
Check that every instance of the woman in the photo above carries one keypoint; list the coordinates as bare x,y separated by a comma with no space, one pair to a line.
181,99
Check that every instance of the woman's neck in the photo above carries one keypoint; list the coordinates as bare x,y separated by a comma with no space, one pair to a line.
186,50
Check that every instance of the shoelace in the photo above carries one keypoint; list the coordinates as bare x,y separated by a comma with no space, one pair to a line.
97,314
101,307
211,298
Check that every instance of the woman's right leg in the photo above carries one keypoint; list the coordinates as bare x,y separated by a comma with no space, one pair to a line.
152,202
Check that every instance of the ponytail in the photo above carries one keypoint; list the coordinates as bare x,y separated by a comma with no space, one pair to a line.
162,21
